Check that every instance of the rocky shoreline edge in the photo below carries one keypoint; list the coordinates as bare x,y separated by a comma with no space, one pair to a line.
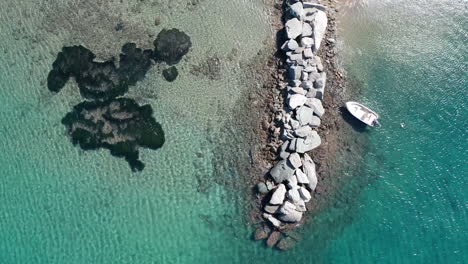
301,147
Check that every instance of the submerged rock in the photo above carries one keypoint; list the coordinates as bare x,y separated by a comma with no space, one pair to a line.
120,125
171,45
273,239
262,232
170,74
286,243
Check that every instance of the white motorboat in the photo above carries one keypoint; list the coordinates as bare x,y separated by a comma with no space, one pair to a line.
363,113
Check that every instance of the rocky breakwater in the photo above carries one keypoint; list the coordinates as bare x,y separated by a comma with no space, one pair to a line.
292,181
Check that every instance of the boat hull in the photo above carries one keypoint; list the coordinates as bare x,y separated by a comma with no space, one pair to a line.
362,113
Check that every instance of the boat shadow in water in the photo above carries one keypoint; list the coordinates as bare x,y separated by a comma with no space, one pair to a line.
355,123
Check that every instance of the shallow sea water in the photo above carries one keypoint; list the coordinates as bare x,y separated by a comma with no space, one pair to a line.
406,203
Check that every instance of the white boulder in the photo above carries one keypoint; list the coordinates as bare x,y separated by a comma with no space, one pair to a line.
320,26
278,195
293,28
296,100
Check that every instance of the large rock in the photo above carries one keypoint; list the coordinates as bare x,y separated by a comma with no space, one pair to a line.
297,10
293,28
271,208
282,171
286,243
307,42
262,232
309,143
273,239
305,194
278,195
309,170
284,154
296,100
262,188
275,222
292,182
292,44
294,195
295,160
302,177
300,206
307,30
295,72
320,25
303,131
304,115
316,105
289,213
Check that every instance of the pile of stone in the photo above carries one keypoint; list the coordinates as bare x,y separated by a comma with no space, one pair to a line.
293,178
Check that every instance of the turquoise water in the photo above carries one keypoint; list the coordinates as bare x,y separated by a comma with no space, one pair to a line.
405,203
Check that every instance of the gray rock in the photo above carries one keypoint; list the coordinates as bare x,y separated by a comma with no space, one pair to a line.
296,100
302,177
305,194
271,208
294,123
262,188
307,30
320,25
275,222
309,143
314,76
300,205
316,105
311,93
286,243
319,64
315,122
278,195
289,213
319,93
304,76
314,5
292,182
293,28
309,14
293,195
273,239
295,160
310,68
308,53
309,170
295,57
270,185
287,208
307,42
304,115
295,72
303,131
297,10
292,44
284,146
308,85
292,145
282,171
297,90
262,232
